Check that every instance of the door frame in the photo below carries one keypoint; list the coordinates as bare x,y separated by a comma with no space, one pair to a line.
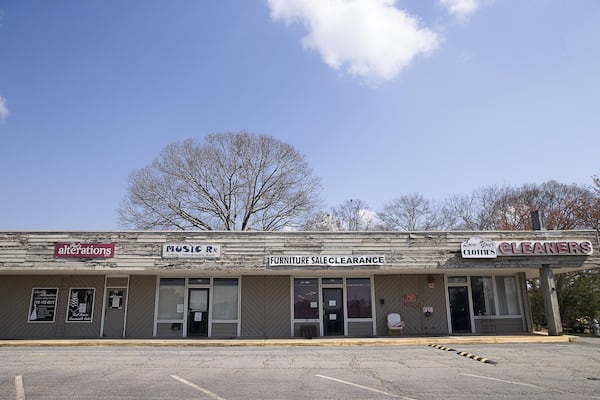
331,281
105,299
342,309
468,313
465,284
339,284
186,322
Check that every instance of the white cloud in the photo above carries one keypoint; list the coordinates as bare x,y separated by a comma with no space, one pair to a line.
371,39
461,9
3,109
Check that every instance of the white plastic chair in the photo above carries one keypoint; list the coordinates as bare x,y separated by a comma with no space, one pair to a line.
395,324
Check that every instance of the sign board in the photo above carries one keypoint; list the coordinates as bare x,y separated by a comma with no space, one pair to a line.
116,299
84,250
43,305
480,248
477,247
546,248
191,250
326,261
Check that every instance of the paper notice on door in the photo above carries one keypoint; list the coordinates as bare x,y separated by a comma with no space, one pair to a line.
332,303
197,316
332,317
116,302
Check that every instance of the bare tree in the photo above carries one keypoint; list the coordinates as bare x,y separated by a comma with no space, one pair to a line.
471,212
507,208
410,213
354,215
234,181
321,221
351,215
564,206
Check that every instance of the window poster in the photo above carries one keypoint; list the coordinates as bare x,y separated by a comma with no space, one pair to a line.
43,305
81,304
115,299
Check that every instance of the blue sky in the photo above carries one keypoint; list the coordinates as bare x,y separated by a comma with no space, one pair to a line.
384,98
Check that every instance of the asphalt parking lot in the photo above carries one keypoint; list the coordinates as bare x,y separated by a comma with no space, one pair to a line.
568,370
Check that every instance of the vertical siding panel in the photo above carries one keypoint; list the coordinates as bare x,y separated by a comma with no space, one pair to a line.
266,306
140,307
253,306
15,312
387,287
278,318
412,311
434,297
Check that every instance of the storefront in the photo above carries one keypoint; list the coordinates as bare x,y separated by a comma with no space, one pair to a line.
276,284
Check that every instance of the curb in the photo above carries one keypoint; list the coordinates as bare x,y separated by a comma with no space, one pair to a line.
326,342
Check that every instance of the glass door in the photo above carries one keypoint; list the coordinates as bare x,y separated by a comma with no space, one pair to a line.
197,312
460,315
333,312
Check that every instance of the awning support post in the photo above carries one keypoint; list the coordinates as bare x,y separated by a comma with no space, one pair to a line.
548,286
550,301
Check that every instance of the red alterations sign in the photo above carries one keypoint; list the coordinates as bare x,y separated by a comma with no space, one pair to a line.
84,250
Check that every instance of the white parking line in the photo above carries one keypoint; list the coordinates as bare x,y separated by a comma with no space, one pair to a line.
198,388
364,387
19,387
502,380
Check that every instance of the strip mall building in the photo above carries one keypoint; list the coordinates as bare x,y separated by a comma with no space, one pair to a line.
277,284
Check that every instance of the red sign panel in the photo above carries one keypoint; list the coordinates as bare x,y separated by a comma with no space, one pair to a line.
84,250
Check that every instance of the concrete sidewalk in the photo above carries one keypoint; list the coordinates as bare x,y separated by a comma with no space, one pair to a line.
331,342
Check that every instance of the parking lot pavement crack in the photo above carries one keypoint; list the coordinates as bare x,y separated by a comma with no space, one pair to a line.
388,385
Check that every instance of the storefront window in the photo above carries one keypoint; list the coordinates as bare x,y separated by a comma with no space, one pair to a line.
508,300
501,299
170,298
483,295
306,299
359,297
225,299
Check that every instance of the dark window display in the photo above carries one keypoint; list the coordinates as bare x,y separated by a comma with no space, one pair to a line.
81,305
359,297
43,305
483,295
306,298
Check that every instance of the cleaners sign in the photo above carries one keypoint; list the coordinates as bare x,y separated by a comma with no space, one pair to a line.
546,248
479,248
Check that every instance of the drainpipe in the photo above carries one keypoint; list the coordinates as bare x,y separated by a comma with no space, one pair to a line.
548,286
